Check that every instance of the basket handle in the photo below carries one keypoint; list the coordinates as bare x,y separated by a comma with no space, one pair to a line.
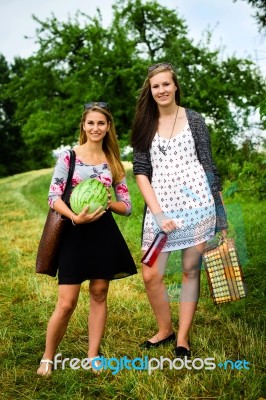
222,237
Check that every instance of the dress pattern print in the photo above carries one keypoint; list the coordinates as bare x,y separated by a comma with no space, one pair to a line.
182,190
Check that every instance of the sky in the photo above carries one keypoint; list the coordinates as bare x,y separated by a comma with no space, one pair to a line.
232,24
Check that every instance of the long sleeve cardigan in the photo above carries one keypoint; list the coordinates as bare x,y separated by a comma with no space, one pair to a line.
142,163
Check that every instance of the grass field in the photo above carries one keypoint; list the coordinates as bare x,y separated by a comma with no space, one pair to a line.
233,331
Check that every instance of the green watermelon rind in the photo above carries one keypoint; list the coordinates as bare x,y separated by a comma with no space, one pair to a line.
97,196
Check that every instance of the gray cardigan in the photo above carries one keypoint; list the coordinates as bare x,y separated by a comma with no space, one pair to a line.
142,163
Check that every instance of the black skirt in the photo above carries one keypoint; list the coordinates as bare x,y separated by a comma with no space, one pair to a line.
95,250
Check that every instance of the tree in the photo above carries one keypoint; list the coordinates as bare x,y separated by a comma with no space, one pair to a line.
13,150
226,92
151,26
260,16
80,61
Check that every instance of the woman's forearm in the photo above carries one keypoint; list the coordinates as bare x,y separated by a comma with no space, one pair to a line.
148,194
119,207
61,207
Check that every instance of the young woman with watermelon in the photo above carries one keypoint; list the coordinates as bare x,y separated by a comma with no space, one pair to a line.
181,188
93,247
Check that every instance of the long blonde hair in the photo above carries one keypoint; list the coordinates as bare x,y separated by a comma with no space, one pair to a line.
110,143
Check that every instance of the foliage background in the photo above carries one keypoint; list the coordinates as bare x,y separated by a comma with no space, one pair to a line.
42,97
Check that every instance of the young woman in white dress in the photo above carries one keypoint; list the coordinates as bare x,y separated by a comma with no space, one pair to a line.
181,188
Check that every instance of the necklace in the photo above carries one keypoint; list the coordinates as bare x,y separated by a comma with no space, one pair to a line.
161,148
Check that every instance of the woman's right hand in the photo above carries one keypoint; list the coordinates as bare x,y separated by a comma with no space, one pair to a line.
165,223
86,217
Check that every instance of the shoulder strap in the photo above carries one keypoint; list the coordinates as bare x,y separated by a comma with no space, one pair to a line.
67,190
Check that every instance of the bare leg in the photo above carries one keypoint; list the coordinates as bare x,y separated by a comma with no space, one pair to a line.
66,304
158,297
98,314
191,262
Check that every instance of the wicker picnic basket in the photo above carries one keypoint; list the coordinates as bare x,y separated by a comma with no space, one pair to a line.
224,272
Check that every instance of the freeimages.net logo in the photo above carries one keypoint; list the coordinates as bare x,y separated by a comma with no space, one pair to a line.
116,365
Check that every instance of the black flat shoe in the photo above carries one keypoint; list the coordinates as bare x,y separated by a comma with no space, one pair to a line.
147,344
182,352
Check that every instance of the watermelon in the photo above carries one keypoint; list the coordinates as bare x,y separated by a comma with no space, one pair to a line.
90,192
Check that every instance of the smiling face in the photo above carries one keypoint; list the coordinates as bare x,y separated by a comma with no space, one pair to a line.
163,88
95,126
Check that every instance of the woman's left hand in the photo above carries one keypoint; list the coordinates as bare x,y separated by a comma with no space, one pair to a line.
224,233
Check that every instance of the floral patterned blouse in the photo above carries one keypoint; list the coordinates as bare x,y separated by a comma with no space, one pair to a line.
81,173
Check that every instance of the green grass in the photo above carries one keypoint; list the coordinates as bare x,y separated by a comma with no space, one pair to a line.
230,331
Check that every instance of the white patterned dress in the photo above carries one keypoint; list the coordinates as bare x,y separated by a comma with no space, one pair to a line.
183,192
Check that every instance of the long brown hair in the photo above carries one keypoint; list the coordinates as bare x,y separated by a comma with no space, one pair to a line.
145,122
110,143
